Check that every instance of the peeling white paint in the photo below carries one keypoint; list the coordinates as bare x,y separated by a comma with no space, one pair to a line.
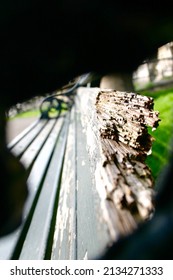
86,256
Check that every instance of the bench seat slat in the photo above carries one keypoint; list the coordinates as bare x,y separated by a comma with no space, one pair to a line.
8,243
64,243
41,164
22,134
22,145
42,218
33,149
92,236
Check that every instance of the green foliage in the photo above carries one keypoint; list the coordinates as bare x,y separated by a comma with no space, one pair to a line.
163,101
156,94
28,114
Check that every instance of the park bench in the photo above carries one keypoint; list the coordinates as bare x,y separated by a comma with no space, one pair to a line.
86,188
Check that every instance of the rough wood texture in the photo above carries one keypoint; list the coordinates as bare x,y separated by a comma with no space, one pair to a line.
118,143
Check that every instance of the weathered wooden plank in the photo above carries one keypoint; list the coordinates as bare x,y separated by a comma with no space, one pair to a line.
42,218
64,243
125,116
115,125
92,236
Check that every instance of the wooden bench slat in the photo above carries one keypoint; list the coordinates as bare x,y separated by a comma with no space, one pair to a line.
79,232
122,179
42,218
33,149
64,243
8,243
92,236
41,164
111,216
26,141
22,134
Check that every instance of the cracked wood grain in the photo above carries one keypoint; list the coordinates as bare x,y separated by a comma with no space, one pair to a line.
116,125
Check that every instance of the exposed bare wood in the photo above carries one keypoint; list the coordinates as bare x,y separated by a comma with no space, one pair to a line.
118,143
